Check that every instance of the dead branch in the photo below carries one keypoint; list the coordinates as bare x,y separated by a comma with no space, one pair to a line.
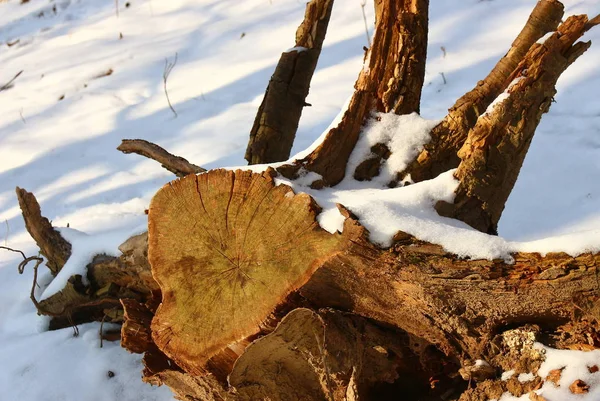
52,245
14,250
440,154
175,164
276,122
496,147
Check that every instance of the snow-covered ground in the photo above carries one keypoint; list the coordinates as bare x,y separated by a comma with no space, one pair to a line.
65,115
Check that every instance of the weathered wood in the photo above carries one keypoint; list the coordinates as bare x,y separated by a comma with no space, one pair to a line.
390,81
110,278
457,304
274,130
52,245
175,164
440,154
331,356
496,147
244,241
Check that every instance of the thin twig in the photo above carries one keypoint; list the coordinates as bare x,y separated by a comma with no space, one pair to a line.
167,71
9,85
22,118
14,250
363,3
117,7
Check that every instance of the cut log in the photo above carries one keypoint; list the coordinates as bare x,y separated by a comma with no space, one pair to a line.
52,245
440,154
233,244
276,123
391,81
496,147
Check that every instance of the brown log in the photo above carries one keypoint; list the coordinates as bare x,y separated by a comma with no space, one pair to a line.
332,356
455,305
496,147
440,154
391,81
52,245
246,246
175,164
276,123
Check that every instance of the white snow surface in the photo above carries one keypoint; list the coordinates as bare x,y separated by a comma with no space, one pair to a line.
65,115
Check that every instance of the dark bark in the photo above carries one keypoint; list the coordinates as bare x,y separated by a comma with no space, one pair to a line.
276,123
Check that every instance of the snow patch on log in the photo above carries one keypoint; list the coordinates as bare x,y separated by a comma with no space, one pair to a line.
84,248
385,211
573,365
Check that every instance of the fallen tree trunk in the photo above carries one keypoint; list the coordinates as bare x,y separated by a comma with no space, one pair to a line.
254,300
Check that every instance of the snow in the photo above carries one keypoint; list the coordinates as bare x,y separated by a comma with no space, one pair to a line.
502,97
83,249
544,38
298,49
507,375
575,366
64,150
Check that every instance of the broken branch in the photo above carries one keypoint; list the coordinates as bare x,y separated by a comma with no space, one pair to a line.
175,164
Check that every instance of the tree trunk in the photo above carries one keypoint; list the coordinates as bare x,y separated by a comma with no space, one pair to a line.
390,81
276,123
440,154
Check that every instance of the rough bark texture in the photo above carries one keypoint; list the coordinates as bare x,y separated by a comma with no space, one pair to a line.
52,245
440,154
175,164
276,123
390,81
495,149
331,356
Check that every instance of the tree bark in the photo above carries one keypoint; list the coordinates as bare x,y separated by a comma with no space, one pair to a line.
496,147
390,81
440,154
52,245
274,130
